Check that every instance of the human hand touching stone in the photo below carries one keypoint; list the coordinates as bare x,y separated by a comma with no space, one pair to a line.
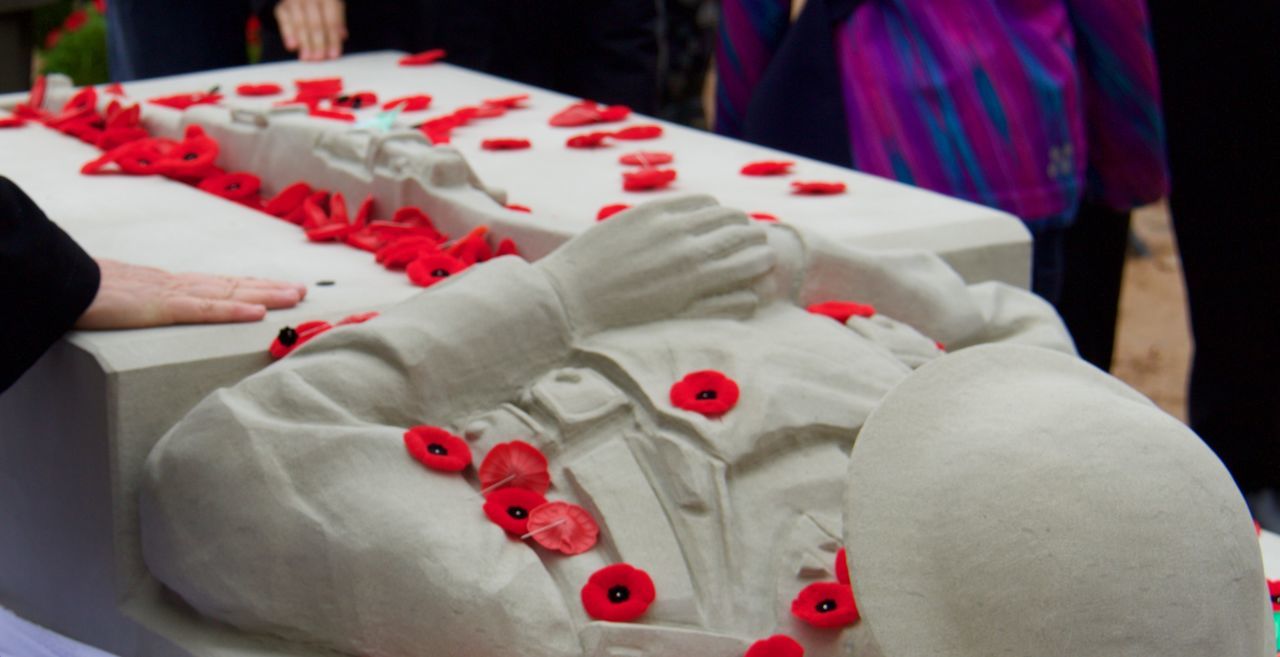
686,257
132,296
315,29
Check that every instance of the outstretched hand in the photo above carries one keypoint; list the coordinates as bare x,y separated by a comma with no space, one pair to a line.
131,296
686,257
315,29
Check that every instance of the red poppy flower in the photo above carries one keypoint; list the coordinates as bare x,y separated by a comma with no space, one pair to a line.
472,248
516,207
317,201
289,199
414,103
638,132
584,112
400,251
763,216
290,338
485,111
264,89
183,101
358,318
193,155
12,122
516,464
509,508
587,140
356,100
618,593
646,179
318,88
826,604
614,113
423,58
939,345
431,269
83,104
114,89
114,137
85,131
413,217
437,449
817,188
119,116
841,311
778,645
233,186
707,392
505,144
507,247
337,115
563,527
842,567
510,102
610,210
1273,590
768,168
646,158
146,158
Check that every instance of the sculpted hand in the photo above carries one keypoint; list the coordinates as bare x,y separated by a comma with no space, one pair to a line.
130,296
687,257
315,29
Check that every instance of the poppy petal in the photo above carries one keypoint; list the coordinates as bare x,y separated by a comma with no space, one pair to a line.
505,144
826,604
516,464
414,103
515,101
764,216
842,567
841,311
638,132
580,113
778,645
358,318
610,210
289,199
817,188
429,270
563,527
423,58
264,89
646,158
768,168
587,140
436,448
646,179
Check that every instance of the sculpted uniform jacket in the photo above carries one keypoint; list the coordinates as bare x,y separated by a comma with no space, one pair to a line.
288,504
46,282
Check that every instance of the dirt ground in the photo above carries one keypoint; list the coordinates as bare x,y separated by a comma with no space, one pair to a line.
1153,339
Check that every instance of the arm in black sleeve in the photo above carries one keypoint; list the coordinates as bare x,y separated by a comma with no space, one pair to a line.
46,282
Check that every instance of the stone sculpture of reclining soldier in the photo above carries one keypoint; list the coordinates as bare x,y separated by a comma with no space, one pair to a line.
994,500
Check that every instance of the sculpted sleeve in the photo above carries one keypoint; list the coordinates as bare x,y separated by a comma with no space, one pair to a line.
288,504
46,282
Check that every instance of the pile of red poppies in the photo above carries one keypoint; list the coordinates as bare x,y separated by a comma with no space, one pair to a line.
439,130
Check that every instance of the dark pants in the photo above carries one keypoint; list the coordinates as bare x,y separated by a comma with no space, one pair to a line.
153,38
1093,254
1220,76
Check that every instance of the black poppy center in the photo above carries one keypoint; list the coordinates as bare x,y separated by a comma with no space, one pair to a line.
190,156
287,337
518,512
437,449
706,394
619,594
231,187
440,273
826,606
144,162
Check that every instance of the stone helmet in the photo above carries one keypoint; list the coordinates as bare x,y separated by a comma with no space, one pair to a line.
1012,501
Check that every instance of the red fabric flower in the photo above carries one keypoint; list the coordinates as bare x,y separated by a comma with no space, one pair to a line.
507,247
708,392
183,101
400,251
431,269
423,58
510,102
505,144
826,604
473,247
768,168
290,338
264,89
289,199
114,137
358,318
509,508
583,112
114,89
610,210
842,567
563,527
337,115
587,140
763,216
841,311
120,116
1273,590
516,464
516,207
193,155
646,179
778,645
638,132
437,449
83,104
614,113
414,103
485,111
618,593
12,122
415,221
233,186
817,188
646,158
356,100
317,89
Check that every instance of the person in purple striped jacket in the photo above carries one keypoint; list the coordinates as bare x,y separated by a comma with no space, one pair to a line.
1047,109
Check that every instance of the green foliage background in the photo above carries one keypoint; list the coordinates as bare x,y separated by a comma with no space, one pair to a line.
81,54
